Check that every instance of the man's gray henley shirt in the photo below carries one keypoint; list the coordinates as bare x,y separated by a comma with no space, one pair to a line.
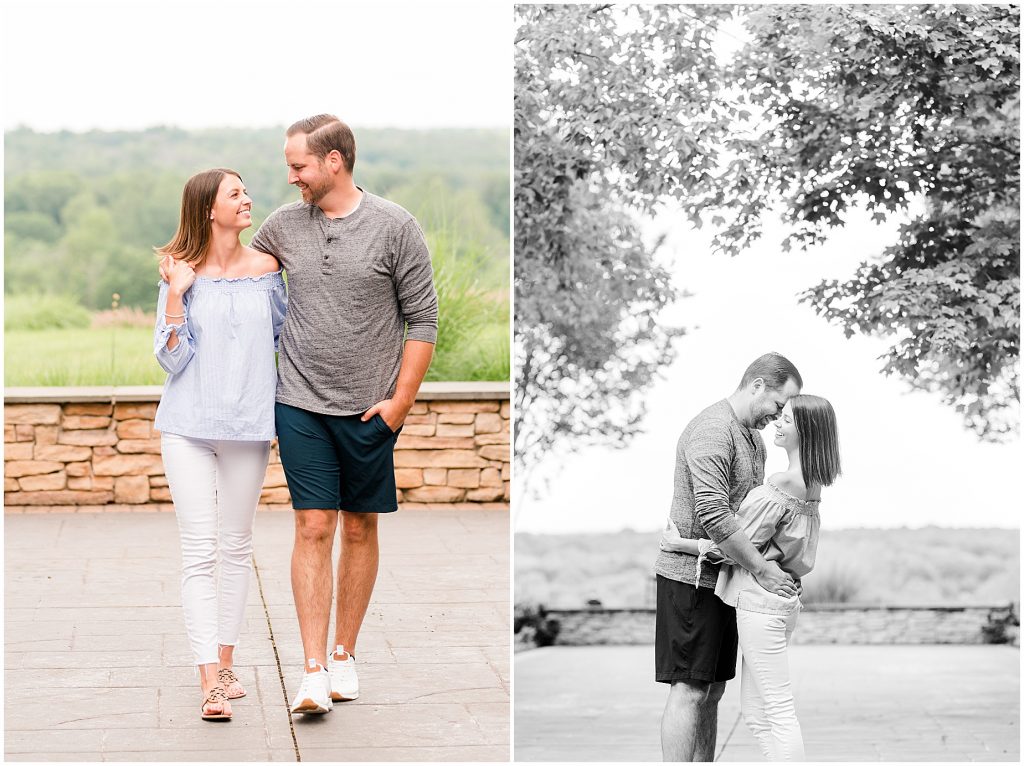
358,287
718,461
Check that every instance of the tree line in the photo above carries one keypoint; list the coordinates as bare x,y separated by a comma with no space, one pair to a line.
84,210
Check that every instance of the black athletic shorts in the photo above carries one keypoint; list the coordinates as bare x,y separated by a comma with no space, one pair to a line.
694,636
337,461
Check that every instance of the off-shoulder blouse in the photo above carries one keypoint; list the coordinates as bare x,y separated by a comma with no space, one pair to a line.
784,529
222,375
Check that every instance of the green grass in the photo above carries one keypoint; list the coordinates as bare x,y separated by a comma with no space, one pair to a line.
48,341
82,357
42,312
76,357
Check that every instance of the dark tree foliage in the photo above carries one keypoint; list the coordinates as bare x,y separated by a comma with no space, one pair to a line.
909,109
84,210
884,106
610,106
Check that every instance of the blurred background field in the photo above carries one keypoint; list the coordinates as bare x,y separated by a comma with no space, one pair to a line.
893,567
84,210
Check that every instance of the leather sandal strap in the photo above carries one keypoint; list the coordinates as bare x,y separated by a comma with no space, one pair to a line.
227,676
215,696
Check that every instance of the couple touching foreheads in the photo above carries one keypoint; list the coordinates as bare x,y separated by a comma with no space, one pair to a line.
732,555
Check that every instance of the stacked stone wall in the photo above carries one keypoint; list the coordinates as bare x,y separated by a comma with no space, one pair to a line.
817,624
454,451
106,453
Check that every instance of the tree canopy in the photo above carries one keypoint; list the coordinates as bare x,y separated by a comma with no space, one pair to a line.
822,108
606,104
886,106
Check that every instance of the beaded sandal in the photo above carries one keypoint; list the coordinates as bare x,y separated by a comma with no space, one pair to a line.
227,677
216,696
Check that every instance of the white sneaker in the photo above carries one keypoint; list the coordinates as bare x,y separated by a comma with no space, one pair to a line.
344,681
314,692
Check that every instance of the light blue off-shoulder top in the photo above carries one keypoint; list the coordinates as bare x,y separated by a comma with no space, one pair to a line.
222,375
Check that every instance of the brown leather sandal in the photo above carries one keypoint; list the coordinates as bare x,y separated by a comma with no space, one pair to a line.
216,696
226,676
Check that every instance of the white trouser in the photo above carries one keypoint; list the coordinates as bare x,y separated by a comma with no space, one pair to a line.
215,485
765,692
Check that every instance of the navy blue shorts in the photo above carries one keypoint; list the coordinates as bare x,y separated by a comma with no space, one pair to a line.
337,461
695,635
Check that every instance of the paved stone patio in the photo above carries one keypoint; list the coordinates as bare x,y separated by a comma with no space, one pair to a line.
98,666
855,703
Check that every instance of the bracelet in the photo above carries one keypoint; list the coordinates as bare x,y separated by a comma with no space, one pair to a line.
174,316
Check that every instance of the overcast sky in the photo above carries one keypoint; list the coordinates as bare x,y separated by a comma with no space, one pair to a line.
117,66
907,460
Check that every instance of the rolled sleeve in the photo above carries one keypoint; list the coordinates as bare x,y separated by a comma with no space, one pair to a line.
759,518
171,360
709,457
278,311
414,284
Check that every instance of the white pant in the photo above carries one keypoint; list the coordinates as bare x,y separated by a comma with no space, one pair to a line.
765,692
215,485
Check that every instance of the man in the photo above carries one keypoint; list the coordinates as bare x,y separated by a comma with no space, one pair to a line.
720,457
356,343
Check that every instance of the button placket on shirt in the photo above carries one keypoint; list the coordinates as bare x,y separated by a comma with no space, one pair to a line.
330,236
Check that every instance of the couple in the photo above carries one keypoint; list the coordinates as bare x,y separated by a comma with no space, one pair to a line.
355,330
733,552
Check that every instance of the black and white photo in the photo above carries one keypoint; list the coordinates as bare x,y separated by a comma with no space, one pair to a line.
766,382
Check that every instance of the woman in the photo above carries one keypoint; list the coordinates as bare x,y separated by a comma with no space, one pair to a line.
219,315
781,519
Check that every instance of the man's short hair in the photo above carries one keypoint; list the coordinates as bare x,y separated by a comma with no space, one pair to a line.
326,133
774,369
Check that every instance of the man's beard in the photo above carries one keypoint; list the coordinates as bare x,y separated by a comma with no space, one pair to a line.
314,193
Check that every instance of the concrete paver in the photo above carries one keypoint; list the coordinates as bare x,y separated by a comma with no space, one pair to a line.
93,623
855,703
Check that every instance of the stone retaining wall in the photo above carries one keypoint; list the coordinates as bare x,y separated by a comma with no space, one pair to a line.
97,447
817,624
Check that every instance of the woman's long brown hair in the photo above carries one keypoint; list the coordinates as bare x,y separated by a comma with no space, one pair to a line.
819,439
192,239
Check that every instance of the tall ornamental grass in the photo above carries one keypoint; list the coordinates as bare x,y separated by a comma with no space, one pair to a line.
473,318
43,312
81,357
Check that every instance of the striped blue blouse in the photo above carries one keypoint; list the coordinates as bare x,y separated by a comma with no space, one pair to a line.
222,374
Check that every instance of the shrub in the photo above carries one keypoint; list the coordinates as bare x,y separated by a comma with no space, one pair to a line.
834,583
43,312
532,623
1002,625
